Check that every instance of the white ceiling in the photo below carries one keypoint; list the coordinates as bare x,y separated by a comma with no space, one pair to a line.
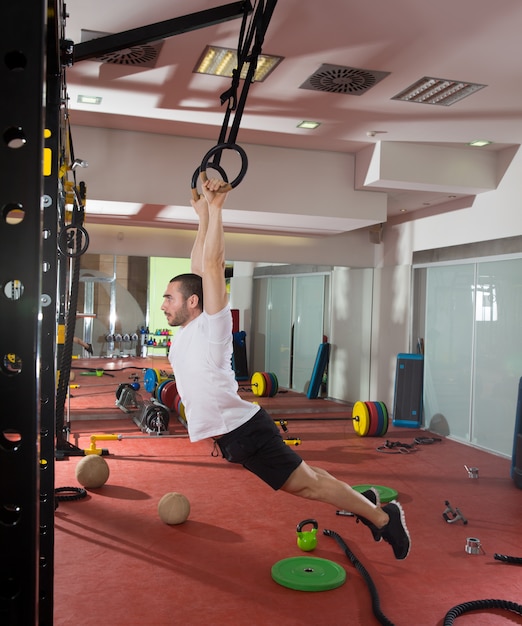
466,40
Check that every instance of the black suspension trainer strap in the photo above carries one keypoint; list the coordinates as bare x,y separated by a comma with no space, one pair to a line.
249,48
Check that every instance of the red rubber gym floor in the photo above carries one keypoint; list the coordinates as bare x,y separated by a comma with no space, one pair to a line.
118,564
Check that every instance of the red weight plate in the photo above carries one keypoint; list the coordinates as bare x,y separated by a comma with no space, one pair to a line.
374,419
269,385
168,395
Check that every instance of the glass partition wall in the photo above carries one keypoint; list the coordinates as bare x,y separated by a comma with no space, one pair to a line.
473,349
290,322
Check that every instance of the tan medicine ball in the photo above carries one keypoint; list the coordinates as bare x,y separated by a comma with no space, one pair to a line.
92,471
174,508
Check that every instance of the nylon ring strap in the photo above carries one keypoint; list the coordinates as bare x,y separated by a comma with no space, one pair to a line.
249,48
248,51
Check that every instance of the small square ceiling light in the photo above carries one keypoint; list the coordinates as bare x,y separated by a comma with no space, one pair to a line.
218,61
439,91
89,99
308,124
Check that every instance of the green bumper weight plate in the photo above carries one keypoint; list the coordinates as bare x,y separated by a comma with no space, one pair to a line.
275,383
361,418
384,429
386,494
308,573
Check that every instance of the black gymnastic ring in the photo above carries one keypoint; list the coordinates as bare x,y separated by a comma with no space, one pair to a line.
195,176
64,241
219,149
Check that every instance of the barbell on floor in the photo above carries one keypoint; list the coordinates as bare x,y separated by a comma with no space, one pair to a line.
264,384
369,419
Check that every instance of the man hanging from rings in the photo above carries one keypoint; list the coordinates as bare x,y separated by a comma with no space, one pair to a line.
244,432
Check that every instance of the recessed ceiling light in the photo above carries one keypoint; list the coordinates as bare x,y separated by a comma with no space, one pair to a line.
89,99
308,125
440,91
218,61
479,143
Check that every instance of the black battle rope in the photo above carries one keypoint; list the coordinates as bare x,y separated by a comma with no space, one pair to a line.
477,605
69,494
514,560
376,607
451,615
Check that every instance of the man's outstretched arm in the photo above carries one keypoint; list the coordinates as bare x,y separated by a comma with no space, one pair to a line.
196,256
214,285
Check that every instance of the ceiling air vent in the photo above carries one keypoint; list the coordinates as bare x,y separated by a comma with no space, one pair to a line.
340,79
143,55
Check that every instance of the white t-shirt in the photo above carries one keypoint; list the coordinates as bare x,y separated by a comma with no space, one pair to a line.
200,356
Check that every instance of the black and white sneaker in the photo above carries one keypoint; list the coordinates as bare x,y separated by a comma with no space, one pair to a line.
395,531
373,496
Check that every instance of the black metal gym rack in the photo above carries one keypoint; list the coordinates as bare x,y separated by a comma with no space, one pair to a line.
22,73
33,272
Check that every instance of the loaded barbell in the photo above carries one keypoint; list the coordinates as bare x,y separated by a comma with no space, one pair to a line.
264,384
370,419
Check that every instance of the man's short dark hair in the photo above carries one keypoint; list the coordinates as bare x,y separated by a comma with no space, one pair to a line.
191,284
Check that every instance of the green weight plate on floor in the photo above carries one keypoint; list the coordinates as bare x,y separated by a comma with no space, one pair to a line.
308,573
361,418
384,429
386,494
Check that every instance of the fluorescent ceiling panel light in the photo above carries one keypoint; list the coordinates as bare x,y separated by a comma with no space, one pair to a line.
479,143
308,125
218,61
89,99
439,91
110,208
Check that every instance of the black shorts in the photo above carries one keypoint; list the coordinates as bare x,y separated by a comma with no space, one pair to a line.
258,446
